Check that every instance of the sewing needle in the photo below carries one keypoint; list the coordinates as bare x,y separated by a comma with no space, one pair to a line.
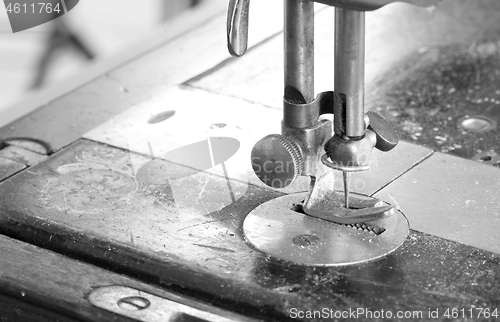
346,176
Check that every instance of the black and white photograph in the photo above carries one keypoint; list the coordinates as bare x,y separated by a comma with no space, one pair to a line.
249,160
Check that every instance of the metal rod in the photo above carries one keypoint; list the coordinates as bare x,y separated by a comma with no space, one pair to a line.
347,179
349,72
299,50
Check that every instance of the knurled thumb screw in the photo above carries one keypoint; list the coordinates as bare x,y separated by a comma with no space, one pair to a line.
277,160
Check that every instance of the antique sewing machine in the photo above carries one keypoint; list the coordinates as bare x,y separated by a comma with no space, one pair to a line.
153,191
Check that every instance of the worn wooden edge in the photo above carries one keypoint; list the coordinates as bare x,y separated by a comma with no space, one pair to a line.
12,309
31,276
33,279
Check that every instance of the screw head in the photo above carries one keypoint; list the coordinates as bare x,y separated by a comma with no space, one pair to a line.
477,123
305,240
133,303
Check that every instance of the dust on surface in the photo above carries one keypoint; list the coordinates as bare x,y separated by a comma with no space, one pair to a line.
433,90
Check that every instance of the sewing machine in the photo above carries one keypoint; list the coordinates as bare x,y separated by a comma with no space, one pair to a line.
156,192
308,147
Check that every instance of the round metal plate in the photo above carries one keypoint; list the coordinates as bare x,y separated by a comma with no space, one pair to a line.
275,229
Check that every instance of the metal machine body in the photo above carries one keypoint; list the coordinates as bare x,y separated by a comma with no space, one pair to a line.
311,145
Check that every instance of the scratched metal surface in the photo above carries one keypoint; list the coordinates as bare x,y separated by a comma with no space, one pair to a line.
200,114
453,198
185,235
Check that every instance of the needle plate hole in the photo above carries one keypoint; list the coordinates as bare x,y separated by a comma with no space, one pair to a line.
218,125
160,117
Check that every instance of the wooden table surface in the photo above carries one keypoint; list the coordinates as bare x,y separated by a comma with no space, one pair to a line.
83,219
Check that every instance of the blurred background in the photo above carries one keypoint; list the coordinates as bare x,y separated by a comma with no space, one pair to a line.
45,56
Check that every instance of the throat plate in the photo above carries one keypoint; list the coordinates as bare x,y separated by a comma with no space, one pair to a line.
277,230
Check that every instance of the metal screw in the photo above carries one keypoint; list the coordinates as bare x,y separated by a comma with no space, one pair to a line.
305,240
477,123
133,303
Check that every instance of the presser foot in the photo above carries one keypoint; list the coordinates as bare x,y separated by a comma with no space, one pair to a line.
332,208
325,203
280,228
